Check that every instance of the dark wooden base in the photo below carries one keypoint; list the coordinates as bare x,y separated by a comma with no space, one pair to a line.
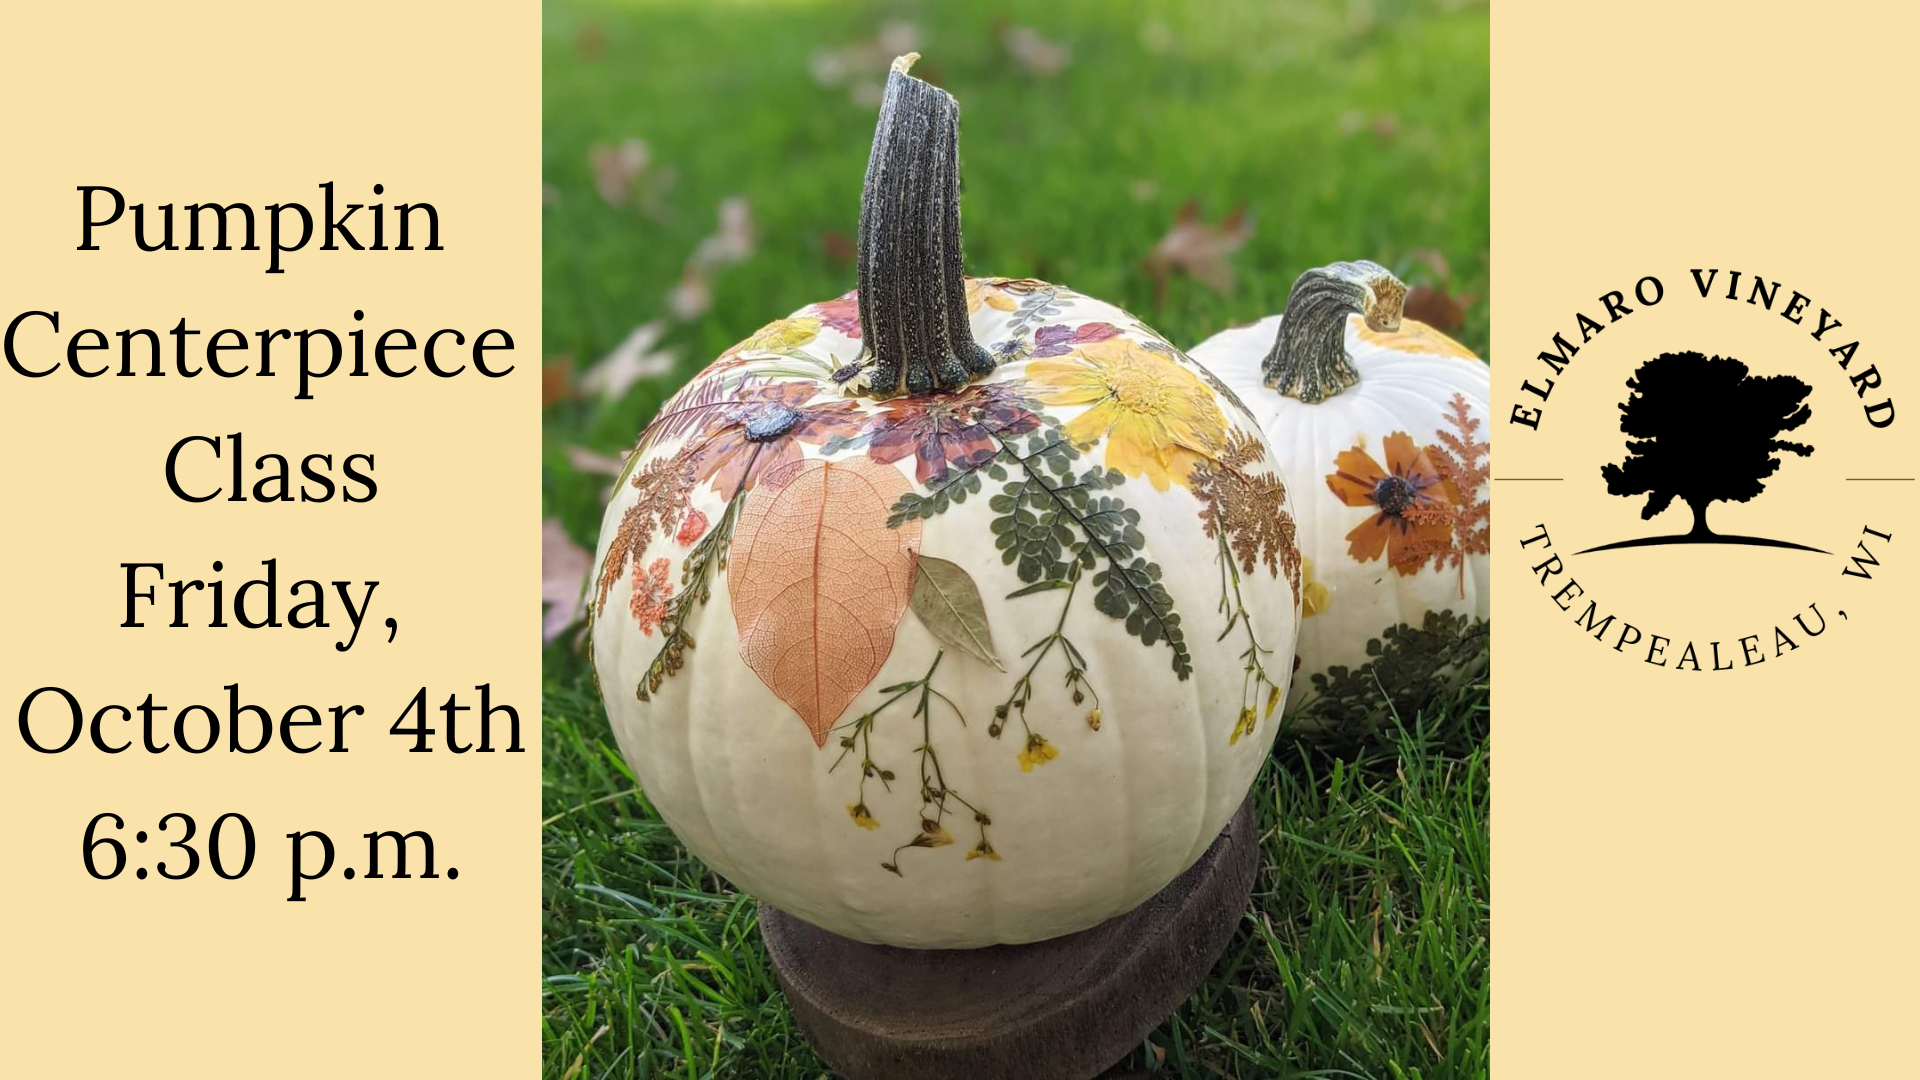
1063,1009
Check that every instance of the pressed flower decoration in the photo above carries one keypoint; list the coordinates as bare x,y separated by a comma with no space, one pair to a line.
763,431
936,528
649,602
1156,417
1383,420
1415,336
1408,497
1038,751
693,528
943,432
840,315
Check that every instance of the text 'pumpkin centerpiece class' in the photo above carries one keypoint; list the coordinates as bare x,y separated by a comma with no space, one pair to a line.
952,611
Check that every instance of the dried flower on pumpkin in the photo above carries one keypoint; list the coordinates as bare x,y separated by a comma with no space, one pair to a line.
1159,419
987,291
1038,752
1244,726
1059,340
1464,461
1408,498
841,314
862,817
1314,596
649,603
1415,336
937,836
664,485
983,850
692,529
949,431
1249,507
764,429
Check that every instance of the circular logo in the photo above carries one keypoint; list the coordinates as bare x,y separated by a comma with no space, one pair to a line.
1696,456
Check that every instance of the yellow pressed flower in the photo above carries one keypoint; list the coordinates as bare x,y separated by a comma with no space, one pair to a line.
979,292
983,849
1244,726
1415,336
1314,597
1158,418
937,836
858,812
1273,699
1093,718
782,334
1038,752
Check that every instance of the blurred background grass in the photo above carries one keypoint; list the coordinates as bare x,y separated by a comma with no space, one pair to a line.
1345,130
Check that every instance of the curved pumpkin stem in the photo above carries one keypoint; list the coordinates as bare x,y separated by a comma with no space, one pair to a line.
913,292
1309,358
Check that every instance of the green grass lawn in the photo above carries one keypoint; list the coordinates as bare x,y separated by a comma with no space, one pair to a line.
1365,951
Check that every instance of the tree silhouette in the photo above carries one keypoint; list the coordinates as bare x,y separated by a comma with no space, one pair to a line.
1702,431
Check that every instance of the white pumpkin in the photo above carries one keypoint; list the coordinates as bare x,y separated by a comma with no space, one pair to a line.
1380,426
986,662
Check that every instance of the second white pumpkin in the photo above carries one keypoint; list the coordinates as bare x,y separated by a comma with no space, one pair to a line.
1382,437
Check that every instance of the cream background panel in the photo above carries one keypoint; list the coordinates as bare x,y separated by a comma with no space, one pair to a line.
260,103
1694,871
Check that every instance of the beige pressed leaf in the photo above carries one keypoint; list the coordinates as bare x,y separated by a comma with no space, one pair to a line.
947,603
820,583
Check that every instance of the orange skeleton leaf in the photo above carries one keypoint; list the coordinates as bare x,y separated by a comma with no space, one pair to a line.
820,583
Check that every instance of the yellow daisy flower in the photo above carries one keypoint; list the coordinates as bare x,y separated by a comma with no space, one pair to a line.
1159,419
1038,752
861,817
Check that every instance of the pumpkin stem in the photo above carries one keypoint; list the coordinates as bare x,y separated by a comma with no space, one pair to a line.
913,292
1309,360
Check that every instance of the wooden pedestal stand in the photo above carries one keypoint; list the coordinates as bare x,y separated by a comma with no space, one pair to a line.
1062,1009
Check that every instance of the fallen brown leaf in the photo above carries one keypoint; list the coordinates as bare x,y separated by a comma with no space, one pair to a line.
1199,249
556,381
732,242
838,246
627,175
1384,126
691,296
1436,307
591,43
861,65
595,463
615,168
563,580
635,358
1035,54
